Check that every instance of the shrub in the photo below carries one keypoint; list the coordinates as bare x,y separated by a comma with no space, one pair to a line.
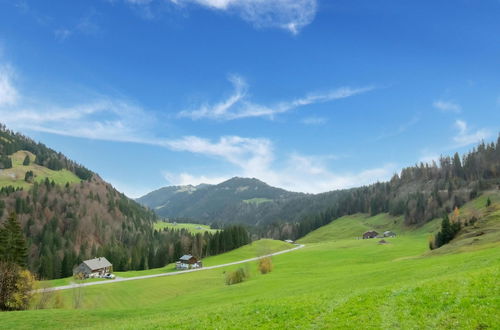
237,276
16,285
265,265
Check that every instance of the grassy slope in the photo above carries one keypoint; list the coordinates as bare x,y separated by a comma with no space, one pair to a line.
257,201
335,281
257,248
15,176
192,227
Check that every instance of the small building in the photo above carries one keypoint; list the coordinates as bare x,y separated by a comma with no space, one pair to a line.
289,241
93,268
187,261
389,233
370,234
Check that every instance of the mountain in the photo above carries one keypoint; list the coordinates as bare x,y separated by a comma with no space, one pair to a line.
419,193
247,200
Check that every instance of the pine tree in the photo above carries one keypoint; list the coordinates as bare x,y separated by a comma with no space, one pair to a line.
12,243
488,202
26,160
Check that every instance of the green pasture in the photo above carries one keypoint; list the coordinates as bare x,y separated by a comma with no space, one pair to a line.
191,227
335,281
15,176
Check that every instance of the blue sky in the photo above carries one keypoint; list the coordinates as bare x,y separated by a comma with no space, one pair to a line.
307,95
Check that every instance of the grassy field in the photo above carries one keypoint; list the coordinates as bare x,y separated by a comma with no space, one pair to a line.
257,248
257,201
15,176
192,227
336,281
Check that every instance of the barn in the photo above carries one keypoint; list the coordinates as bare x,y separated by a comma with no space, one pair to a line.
389,233
370,234
96,267
187,261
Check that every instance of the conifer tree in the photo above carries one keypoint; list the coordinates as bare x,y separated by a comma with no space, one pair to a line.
12,243
26,160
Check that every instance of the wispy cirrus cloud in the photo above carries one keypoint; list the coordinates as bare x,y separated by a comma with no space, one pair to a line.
238,105
8,93
447,106
400,129
114,119
86,25
289,15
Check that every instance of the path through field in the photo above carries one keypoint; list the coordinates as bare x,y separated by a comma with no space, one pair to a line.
122,279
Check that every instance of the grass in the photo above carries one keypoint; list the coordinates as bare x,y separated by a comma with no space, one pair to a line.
336,281
257,201
15,176
191,227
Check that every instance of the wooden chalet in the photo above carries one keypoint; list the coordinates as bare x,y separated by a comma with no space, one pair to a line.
187,261
96,267
370,234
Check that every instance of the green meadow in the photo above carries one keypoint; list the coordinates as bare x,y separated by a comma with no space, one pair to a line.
15,176
191,227
335,281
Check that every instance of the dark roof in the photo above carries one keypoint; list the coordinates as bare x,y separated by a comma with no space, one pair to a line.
97,263
370,232
186,257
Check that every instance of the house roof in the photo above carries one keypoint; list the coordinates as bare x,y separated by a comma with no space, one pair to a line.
97,263
370,232
388,232
186,257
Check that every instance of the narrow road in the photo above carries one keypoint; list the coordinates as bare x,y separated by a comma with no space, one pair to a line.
123,279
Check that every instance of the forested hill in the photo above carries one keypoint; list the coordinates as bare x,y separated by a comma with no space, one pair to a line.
67,212
419,193
236,200
12,142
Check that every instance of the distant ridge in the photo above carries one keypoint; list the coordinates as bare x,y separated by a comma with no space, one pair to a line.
237,198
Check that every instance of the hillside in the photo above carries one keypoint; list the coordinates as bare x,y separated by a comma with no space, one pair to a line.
16,175
68,213
418,193
335,280
236,200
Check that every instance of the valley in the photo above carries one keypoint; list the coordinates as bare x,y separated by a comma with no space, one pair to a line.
335,279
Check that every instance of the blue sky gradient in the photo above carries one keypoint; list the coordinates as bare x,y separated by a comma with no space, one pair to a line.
307,95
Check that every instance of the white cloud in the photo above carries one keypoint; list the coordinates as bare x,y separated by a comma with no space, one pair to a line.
8,93
238,106
465,137
184,179
428,156
113,119
314,121
447,106
256,158
290,15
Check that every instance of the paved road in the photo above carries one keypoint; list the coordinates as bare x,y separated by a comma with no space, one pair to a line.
123,279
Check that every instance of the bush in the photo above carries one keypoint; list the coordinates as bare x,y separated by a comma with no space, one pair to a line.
265,265
16,285
237,276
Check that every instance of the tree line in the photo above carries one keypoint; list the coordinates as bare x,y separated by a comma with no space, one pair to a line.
419,193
